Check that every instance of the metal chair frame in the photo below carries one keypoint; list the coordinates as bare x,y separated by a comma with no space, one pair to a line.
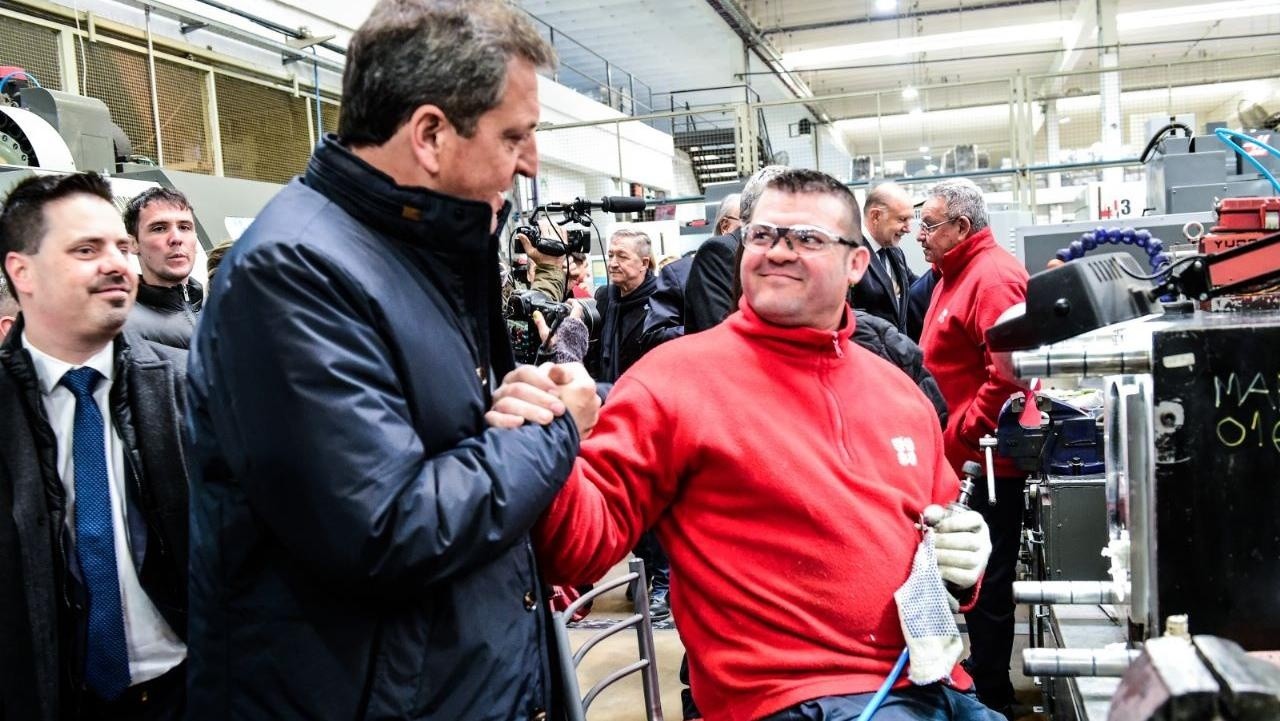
638,620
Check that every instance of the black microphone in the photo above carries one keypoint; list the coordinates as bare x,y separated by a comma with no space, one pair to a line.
609,204
621,204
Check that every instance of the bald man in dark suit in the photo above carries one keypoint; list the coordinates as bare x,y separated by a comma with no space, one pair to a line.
883,289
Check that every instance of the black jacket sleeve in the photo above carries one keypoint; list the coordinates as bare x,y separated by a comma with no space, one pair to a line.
592,359
882,338
312,409
918,302
664,320
708,297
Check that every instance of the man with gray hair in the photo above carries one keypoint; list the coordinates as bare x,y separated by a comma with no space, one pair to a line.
361,543
979,281
622,304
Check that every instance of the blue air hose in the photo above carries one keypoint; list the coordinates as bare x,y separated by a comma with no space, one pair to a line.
884,689
1228,138
26,75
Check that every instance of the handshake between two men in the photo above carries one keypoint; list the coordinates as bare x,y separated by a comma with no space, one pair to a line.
540,394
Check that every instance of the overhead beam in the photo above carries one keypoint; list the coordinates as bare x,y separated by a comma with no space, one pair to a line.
1086,19
288,54
736,17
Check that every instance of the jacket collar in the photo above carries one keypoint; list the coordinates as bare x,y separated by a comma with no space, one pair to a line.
790,340
165,297
639,295
418,216
126,347
955,260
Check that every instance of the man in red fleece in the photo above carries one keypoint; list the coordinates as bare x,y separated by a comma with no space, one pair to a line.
980,280
785,485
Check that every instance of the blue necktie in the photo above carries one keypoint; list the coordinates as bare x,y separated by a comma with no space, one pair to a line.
106,667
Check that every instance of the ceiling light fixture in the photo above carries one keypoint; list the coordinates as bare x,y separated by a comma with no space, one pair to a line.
1059,30
910,93
924,150
886,6
1207,13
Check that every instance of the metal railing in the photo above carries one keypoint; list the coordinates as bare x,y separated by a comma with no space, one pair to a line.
591,74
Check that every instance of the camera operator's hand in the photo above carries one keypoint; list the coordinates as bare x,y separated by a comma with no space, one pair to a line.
578,391
544,331
528,393
535,255
546,272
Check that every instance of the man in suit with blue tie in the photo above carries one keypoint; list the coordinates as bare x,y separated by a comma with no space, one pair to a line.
93,486
882,292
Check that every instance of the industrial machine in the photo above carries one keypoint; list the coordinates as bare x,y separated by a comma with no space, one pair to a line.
44,130
1181,402
1191,173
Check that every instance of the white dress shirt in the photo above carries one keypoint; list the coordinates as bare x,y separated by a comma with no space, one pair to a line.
153,647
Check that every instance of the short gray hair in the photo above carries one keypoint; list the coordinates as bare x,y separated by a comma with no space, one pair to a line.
449,53
644,246
730,202
754,188
962,197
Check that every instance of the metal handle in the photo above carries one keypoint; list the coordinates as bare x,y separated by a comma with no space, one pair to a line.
987,443
1094,662
1085,593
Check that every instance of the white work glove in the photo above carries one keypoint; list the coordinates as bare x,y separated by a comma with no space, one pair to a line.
963,546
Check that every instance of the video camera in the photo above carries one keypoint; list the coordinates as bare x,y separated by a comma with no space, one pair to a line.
573,240
519,310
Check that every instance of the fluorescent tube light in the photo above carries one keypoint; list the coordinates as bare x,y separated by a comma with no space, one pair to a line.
990,37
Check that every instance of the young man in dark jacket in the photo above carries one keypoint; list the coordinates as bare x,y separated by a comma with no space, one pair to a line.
169,299
93,489
362,536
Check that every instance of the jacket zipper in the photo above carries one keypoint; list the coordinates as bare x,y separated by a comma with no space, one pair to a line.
834,403
186,305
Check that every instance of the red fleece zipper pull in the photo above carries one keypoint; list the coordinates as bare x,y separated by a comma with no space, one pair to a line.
835,343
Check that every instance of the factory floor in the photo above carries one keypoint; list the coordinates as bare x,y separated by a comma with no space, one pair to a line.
624,701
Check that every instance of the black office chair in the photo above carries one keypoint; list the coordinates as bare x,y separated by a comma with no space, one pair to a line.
638,620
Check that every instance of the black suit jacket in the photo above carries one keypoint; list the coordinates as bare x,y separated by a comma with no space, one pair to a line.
710,294
874,293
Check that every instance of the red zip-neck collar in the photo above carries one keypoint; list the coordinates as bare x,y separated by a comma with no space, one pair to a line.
955,260
812,340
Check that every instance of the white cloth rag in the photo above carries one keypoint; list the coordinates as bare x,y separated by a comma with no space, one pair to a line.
933,640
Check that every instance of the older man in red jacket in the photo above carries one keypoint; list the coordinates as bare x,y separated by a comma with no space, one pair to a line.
979,281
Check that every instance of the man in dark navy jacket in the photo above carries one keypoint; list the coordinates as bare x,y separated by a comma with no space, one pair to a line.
360,545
